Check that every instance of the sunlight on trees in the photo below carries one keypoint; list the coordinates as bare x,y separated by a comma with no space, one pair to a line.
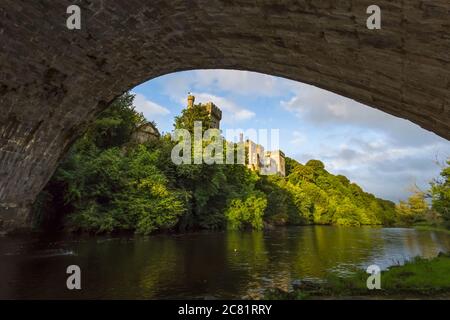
108,182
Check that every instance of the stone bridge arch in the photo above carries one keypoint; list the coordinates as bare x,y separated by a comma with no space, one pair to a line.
54,81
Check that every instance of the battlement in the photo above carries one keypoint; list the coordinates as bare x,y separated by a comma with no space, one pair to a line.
275,153
215,114
214,111
265,162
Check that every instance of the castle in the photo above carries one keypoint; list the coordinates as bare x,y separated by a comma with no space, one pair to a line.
265,162
145,132
215,114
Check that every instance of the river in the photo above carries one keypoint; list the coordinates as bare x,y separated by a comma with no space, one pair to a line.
201,265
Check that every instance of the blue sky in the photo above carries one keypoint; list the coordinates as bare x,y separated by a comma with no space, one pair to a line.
383,154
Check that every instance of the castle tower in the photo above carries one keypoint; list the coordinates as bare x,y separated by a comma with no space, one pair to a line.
191,100
277,161
215,114
255,155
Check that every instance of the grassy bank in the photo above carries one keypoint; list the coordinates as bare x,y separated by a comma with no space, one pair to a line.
419,278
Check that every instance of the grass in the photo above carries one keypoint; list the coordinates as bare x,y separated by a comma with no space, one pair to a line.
426,276
419,278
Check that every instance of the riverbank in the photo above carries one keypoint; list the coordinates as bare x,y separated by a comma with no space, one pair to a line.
418,279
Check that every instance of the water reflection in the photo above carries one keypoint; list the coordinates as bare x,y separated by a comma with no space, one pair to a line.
202,265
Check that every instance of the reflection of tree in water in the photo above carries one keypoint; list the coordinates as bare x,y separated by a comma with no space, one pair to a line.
440,239
424,243
158,262
128,268
216,264
247,249
27,264
247,253
320,250
249,262
196,268
281,256
276,258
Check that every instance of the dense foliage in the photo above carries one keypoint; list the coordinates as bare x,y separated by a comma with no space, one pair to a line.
430,208
413,210
440,195
320,197
107,182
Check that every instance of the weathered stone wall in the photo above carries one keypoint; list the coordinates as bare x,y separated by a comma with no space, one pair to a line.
54,81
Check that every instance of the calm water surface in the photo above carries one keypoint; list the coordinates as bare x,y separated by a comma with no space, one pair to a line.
201,265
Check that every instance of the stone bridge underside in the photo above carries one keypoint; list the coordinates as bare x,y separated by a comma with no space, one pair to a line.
53,81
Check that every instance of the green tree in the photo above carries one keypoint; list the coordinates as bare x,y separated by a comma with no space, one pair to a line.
413,210
106,184
315,164
247,212
120,191
114,126
189,115
440,194
323,198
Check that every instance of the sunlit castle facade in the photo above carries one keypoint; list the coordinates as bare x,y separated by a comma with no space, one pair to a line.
277,162
255,154
266,163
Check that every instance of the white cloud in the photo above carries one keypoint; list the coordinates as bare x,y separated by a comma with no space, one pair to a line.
244,83
320,106
298,139
324,108
381,168
239,82
149,108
